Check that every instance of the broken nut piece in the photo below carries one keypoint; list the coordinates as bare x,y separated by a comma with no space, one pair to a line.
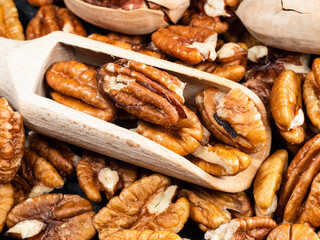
191,45
240,127
11,141
144,91
144,205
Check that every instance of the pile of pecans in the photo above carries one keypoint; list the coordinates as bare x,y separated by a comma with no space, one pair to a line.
283,202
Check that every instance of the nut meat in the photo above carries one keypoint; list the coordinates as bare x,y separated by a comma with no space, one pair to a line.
183,138
95,176
6,202
142,235
239,126
144,205
292,232
76,87
191,45
51,18
11,141
211,208
10,26
144,91
52,216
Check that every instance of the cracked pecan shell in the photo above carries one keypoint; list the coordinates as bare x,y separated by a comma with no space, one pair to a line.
6,202
78,81
189,44
183,138
11,141
292,232
232,118
59,216
211,208
96,174
144,91
243,228
10,26
144,205
51,18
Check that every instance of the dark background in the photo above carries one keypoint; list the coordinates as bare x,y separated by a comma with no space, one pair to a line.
26,13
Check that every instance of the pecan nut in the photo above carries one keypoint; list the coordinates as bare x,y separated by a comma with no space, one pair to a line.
189,44
221,160
297,181
21,187
76,87
54,216
51,18
142,235
95,176
211,208
291,232
6,202
39,3
11,141
240,127
286,106
144,205
10,25
216,8
183,138
267,183
243,228
144,91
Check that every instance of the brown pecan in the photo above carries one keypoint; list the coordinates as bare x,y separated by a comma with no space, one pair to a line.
297,181
211,208
11,141
267,183
243,229
51,18
39,3
182,138
142,235
292,232
56,152
240,127
6,202
144,91
21,187
189,44
233,54
10,26
95,176
52,216
144,205
221,160
286,106
316,70
78,81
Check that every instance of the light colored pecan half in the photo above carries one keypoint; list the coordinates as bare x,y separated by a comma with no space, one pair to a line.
11,141
211,208
144,205
51,18
267,183
10,25
243,228
78,81
6,202
96,174
240,126
221,160
144,91
142,235
292,232
286,106
52,216
183,138
189,44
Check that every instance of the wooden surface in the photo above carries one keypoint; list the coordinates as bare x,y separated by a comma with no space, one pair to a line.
136,22
24,88
291,25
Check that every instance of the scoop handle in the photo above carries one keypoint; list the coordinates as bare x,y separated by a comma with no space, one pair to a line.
7,46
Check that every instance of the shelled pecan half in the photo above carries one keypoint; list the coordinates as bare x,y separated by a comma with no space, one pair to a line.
292,232
142,235
144,91
6,202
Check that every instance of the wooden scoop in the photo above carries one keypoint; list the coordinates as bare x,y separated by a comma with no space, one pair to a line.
22,83
138,21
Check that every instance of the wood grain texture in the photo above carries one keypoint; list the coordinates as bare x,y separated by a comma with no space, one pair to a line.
26,69
291,25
